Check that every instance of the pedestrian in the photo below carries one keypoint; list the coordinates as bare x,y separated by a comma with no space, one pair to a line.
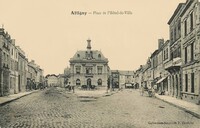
153,92
73,88
69,87
65,86
142,90
155,88
150,91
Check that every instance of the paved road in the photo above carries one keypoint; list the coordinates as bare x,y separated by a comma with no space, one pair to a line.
55,108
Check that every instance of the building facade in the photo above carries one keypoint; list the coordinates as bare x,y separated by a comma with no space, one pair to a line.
39,80
190,24
162,74
173,66
14,88
4,62
176,65
89,67
146,74
31,77
15,73
61,80
166,75
154,64
115,79
22,78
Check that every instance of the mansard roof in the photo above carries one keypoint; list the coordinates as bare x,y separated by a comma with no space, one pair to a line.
81,56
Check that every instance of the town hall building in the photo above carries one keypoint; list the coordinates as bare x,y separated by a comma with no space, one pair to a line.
89,68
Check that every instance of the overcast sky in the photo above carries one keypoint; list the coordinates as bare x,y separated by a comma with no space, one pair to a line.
49,34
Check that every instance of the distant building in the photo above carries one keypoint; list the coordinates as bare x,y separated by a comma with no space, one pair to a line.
115,79
147,74
22,78
14,88
89,67
39,74
31,77
61,80
52,80
123,78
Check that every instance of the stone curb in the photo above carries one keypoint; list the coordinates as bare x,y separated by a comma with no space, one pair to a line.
182,108
8,101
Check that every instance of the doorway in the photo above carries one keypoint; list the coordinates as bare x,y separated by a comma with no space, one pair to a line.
89,82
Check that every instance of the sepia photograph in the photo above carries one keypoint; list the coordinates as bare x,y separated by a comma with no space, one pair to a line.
100,64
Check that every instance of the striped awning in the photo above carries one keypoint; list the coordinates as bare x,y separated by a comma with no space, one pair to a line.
159,81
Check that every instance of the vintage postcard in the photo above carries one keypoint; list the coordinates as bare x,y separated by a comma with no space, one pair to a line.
100,64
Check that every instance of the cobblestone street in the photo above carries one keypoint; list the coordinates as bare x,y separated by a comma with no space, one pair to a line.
57,108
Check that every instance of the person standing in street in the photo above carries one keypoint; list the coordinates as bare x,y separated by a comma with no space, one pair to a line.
69,87
142,90
73,88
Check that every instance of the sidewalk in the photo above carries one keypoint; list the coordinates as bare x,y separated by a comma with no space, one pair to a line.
6,99
184,105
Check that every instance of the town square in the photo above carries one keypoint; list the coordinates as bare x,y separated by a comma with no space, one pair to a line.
68,66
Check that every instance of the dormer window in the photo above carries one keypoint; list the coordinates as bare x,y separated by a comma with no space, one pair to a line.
99,56
86,54
78,55
91,54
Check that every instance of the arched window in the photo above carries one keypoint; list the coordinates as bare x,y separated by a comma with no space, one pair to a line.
99,82
78,82
89,82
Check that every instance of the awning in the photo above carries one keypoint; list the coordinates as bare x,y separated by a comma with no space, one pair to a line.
159,81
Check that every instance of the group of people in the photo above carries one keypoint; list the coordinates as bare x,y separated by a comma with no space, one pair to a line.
70,87
150,90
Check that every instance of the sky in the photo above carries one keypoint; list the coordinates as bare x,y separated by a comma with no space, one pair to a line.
48,33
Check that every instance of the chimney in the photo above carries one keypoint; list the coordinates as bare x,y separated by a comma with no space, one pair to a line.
13,41
89,45
160,43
